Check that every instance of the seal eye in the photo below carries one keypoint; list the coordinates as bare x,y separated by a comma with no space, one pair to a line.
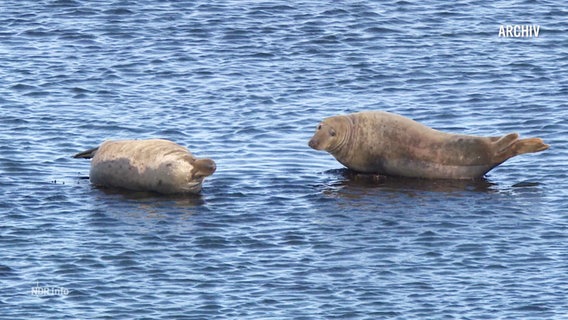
319,127
332,132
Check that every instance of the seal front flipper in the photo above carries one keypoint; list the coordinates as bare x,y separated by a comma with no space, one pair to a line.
88,154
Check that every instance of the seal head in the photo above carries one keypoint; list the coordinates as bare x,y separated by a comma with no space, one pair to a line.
332,134
203,168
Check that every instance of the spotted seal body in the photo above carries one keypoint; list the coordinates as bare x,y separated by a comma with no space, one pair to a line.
390,144
147,165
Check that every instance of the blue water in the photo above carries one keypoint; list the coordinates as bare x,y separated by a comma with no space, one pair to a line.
280,231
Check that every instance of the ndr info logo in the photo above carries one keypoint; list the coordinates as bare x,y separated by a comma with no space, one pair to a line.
49,291
519,31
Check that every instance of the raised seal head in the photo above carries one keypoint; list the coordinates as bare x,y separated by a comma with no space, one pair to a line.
331,134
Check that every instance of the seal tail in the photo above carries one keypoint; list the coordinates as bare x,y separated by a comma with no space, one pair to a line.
510,145
88,154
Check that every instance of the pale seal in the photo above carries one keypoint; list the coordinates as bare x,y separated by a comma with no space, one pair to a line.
390,144
147,165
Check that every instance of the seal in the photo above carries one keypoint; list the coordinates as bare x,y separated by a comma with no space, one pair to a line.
385,143
147,165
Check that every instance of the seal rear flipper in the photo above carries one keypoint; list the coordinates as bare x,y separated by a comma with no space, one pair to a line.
88,154
530,145
506,142
510,145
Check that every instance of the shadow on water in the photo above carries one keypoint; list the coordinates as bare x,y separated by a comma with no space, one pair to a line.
350,182
153,198
142,211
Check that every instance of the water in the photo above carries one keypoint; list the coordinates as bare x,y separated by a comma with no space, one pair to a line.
280,231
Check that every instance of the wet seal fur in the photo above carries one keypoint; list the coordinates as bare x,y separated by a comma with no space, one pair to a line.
386,143
147,165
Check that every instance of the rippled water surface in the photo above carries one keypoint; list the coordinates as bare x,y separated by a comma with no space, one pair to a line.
280,230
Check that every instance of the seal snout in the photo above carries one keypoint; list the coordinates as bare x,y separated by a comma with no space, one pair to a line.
204,167
313,143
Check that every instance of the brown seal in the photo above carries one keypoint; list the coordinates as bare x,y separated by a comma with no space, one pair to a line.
147,165
390,144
